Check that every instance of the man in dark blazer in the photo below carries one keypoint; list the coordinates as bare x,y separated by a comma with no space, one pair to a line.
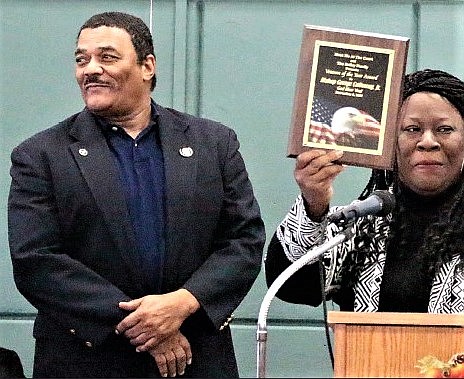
133,228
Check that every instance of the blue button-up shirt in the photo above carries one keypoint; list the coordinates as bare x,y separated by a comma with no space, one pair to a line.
141,167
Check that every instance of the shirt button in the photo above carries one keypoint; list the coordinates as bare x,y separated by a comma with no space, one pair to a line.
88,344
72,331
114,128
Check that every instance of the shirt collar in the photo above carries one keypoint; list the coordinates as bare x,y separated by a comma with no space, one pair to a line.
106,126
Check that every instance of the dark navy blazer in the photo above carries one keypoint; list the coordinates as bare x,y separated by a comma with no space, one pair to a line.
73,248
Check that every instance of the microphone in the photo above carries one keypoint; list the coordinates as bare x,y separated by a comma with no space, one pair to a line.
379,203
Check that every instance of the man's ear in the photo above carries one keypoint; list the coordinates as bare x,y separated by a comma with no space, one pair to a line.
149,67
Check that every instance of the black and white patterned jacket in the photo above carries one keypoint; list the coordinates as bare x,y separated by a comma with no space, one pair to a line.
298,234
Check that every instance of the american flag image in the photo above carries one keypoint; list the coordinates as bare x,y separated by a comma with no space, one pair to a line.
321,116
370,126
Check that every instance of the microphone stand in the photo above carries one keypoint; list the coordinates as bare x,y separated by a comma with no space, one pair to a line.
309,257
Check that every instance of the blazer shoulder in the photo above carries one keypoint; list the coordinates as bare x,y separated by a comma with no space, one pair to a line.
196,122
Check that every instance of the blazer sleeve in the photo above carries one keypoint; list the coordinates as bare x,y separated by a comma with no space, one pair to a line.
226,276
61,288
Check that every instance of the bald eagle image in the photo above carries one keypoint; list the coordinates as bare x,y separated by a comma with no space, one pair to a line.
353,127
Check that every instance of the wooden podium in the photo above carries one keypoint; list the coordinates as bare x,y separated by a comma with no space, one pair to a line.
385,344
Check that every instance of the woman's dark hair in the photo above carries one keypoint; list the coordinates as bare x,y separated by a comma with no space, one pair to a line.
443,239
440,82
140,34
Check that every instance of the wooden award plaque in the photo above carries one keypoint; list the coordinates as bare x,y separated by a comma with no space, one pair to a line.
348,95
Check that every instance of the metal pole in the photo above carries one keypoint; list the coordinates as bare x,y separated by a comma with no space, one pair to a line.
310,257
151,17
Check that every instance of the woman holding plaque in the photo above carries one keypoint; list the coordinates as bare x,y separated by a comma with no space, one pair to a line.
409,260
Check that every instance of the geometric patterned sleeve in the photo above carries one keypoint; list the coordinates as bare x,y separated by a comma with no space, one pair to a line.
297,233
447,294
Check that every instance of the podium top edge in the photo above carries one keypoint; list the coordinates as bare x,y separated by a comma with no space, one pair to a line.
395,318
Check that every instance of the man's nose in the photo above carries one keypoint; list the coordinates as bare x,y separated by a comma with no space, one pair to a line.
93,67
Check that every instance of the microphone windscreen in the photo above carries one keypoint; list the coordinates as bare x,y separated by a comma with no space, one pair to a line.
388,201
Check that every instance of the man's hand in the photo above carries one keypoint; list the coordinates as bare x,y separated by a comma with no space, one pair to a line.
156,317
172,355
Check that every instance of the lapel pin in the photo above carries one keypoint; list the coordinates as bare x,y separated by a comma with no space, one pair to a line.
83,152
186,151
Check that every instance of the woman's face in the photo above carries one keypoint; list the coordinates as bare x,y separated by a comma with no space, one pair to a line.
430,148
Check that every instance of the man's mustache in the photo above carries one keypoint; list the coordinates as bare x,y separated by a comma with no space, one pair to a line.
93,79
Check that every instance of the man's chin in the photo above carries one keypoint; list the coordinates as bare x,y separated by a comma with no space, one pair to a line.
98,108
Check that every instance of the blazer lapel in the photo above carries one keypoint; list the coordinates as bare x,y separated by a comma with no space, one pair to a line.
97,166
180,162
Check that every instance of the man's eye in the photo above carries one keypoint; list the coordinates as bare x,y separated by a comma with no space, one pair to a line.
109,57
80,60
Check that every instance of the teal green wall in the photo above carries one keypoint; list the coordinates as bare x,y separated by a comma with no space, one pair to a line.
233,61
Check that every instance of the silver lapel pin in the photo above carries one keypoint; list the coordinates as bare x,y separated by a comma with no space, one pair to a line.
186,151
83,152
